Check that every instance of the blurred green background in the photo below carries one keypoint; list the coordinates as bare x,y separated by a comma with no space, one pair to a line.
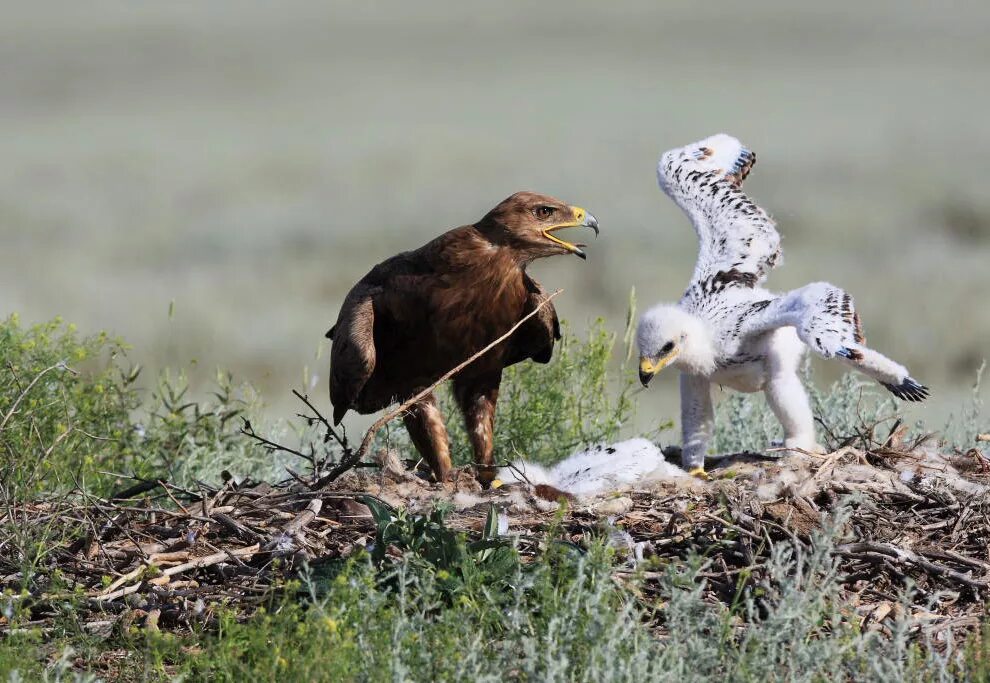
249,161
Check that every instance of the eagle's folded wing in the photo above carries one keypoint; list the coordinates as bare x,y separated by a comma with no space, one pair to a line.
535,339
352,356
738,243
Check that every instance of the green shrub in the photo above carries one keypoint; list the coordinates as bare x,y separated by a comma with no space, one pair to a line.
961,429
853,410
65,407
560,617
71,421
414,619
19,657
427,602
71,416
185,440
978,655
81,424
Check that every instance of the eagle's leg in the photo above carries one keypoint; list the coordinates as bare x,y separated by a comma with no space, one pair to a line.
477,397
424,423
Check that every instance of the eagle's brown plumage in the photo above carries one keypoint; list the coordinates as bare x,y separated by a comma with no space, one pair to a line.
420,313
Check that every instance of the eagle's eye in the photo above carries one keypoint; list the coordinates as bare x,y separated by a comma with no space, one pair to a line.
544,212
667,348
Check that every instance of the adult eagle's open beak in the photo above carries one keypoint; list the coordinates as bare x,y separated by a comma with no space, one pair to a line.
582,219
650,367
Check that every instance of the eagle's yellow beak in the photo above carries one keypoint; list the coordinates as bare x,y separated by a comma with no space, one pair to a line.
649,367
581,219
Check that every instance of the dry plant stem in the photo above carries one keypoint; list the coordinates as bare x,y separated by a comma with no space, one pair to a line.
248,430
868,550
239,529
172,498
151,621
119,594
351,459
318,416
304,517
134,491
37,378
208,560
198,563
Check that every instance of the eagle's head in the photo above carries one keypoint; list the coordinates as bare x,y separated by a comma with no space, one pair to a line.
669,335
526,222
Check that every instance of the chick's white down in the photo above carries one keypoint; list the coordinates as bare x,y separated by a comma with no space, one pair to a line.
727,329
598,470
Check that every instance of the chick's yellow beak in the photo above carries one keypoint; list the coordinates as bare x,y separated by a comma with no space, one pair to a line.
580,218
649,367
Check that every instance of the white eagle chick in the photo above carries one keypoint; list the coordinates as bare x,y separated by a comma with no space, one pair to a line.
727,329
599,470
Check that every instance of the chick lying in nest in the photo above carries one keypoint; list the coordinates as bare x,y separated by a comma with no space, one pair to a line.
598,470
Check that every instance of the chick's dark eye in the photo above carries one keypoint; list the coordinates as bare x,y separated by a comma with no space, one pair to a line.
667,348
543,212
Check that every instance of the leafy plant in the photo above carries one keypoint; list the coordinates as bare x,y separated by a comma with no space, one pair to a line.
564,617
70,418
70,424
463,568
65,407
185,440
427,602
852,409
961,429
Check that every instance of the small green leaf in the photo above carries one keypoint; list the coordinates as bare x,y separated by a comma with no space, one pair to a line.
491,523
382,512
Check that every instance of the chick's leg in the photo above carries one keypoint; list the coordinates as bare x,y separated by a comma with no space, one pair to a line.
477,397
788,400
424,423
697,422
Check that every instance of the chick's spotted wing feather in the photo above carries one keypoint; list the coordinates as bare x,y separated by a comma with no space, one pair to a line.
738,243
826,320
823,315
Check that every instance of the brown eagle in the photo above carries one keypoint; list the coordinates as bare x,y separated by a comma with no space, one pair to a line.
420,313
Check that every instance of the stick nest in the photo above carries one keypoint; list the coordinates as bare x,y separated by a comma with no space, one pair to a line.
161,557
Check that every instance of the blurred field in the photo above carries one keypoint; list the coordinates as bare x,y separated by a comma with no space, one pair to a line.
250,161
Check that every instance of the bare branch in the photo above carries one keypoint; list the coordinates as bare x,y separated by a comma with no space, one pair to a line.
58,366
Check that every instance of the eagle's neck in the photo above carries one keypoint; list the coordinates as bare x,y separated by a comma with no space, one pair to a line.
494,248
510,246
481,266
484,290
